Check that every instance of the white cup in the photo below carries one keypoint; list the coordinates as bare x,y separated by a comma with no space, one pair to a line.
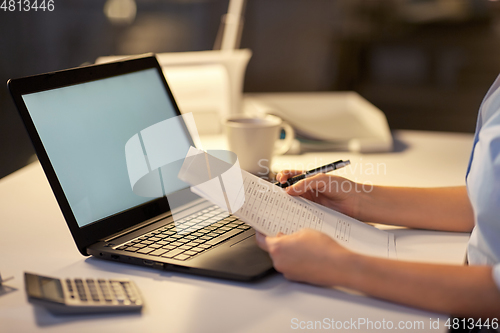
256,139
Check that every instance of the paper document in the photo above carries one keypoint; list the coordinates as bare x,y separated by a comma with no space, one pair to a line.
270,210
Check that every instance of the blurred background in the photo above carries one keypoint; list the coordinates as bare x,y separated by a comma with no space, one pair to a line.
426,63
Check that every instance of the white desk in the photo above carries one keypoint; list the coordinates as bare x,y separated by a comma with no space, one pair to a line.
34,237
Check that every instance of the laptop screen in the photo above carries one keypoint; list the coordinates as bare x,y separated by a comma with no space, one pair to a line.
84,129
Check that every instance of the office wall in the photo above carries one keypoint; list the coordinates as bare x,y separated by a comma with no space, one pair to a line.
424,72
77,32
426,64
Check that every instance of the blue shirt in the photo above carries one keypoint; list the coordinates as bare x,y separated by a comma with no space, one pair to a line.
483,185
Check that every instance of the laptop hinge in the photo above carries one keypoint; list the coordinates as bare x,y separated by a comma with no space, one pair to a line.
136,227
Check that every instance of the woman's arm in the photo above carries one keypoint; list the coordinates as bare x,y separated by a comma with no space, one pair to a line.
445,208
312,257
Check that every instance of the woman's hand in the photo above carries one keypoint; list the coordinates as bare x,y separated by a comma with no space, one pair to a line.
332,191
307,256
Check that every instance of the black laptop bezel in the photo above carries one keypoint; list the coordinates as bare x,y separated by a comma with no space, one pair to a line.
91,233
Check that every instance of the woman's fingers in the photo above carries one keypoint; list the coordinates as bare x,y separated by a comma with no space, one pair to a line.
265,242
283,175
320,183
262,241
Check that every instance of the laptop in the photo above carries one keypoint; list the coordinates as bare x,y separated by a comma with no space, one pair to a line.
79,121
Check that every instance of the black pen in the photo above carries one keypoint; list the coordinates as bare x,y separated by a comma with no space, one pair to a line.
322,169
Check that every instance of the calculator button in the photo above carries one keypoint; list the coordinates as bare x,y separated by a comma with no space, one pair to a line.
130,292
81,290
93,290
106,293
69,285
118,291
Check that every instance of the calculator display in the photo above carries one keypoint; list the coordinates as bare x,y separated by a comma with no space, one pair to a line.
51,289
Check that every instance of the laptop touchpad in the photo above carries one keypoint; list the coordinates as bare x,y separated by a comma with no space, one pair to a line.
249,241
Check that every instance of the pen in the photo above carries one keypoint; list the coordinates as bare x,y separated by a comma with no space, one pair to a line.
322,169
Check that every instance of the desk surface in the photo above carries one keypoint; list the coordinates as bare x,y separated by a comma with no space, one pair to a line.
34,237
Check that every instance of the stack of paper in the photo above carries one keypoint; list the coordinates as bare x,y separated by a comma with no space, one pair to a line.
270,210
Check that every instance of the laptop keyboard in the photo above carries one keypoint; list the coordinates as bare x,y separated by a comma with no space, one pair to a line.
189,236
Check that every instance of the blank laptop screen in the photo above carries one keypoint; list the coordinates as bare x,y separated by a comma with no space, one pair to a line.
84,129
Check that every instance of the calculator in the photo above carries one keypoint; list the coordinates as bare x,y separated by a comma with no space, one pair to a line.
79,295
